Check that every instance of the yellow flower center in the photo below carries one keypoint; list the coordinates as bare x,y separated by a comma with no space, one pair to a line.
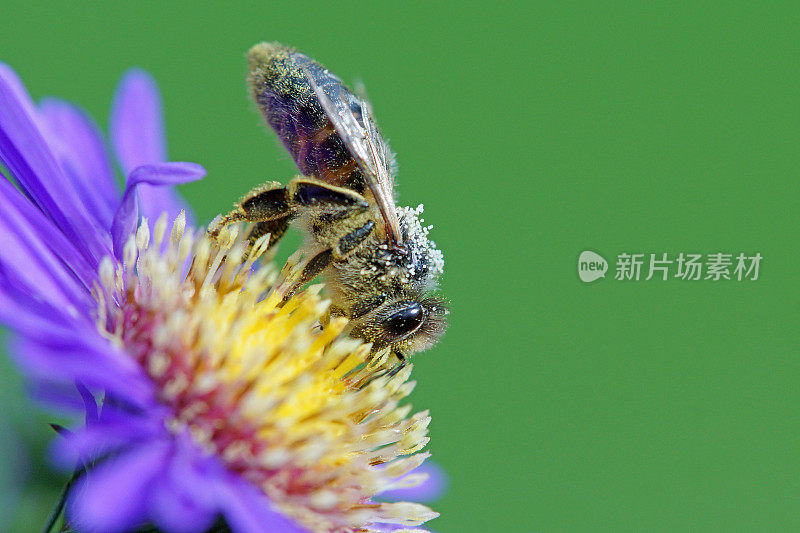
275,390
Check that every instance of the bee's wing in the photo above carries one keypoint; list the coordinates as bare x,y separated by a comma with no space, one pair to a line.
367,147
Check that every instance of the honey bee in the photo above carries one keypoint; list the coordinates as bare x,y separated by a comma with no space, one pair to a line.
378,264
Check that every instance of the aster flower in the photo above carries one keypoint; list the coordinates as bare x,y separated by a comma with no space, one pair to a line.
218,400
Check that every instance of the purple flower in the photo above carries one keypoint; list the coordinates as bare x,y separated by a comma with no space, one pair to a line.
217,401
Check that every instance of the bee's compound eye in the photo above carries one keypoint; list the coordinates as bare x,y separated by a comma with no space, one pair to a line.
406,320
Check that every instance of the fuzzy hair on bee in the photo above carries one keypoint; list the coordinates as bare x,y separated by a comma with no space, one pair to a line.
379,265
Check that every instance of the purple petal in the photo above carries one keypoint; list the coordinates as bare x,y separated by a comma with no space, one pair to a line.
61,399
25,153
429,490
192,487
137,133
200,482
112,497
127,216
80,148
80,357
184,500
157,200
27,261
45,240
27,314
177,512
23,314
89,403
247,510
111,433
191,467
137,122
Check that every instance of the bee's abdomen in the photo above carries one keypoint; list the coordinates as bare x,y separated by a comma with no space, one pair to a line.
280,89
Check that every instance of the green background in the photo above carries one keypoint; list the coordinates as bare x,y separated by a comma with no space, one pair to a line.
531,132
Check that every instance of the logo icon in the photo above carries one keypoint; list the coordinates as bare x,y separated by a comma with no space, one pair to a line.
591,266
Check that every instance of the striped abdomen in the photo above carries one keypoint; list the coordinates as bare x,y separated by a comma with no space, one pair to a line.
280,89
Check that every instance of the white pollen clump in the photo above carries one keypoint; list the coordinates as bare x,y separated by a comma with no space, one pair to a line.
416,236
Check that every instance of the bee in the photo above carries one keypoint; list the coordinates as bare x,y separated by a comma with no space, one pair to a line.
378,264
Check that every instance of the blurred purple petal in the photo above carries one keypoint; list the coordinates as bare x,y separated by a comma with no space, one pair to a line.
58,398
111,433
177,512
191,470
127,217
137,133
185,499
113,496
137,122
84,358
79,146
429,490
29,159
248,511
89,402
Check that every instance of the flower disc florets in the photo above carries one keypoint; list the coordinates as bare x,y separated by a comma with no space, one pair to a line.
272,388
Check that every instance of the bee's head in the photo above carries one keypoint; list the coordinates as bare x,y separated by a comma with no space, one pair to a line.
407,321
405,325
387,296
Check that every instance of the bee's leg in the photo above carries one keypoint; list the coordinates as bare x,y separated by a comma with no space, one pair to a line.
275,228
349,242
315,194
327,202
271,202
265,203
340,249
343,247
300,275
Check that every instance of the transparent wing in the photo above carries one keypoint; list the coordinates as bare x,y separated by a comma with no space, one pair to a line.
368,149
